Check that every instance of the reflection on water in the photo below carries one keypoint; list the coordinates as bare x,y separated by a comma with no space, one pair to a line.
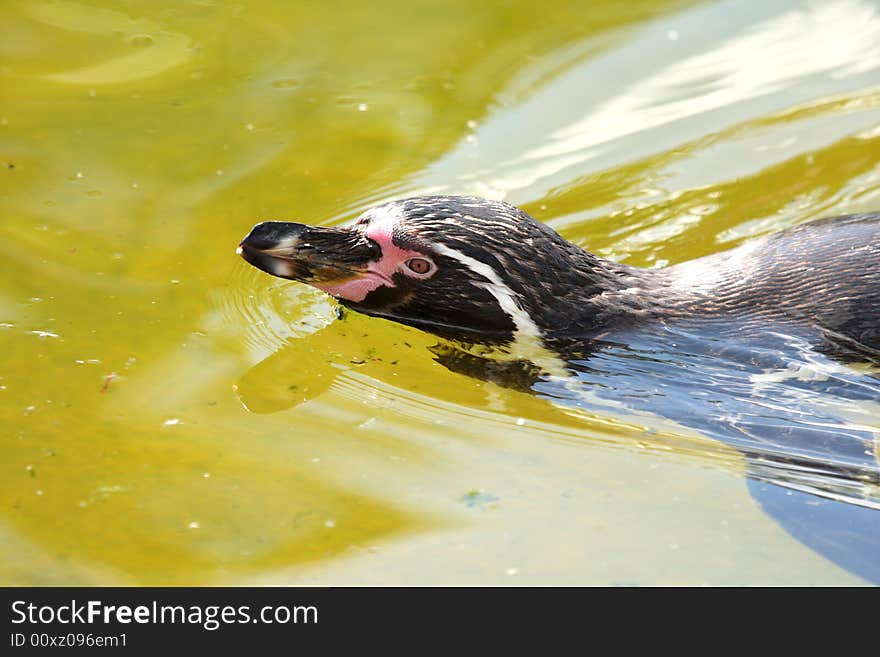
709,73
280,314
805,424
171,416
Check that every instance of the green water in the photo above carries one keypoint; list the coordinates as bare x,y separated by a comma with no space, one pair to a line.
170,415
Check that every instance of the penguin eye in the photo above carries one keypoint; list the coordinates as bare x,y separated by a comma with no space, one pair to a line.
419,265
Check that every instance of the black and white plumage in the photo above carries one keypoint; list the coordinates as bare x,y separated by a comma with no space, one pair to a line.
734,344
496,272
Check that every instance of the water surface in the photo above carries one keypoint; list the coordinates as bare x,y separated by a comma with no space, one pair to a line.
171,416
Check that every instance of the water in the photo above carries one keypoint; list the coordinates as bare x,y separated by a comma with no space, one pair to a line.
171,415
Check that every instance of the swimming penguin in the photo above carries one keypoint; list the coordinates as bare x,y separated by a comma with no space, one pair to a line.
689,342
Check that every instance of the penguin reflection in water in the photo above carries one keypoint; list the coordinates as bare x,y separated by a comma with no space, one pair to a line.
749,346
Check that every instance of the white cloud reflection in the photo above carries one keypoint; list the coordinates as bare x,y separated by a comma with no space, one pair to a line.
731,62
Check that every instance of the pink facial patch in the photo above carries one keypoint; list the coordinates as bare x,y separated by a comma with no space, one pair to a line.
379,272
354,289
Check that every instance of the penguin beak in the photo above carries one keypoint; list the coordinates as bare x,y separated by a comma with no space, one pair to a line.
311,254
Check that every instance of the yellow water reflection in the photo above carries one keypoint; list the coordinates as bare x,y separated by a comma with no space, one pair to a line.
170,416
